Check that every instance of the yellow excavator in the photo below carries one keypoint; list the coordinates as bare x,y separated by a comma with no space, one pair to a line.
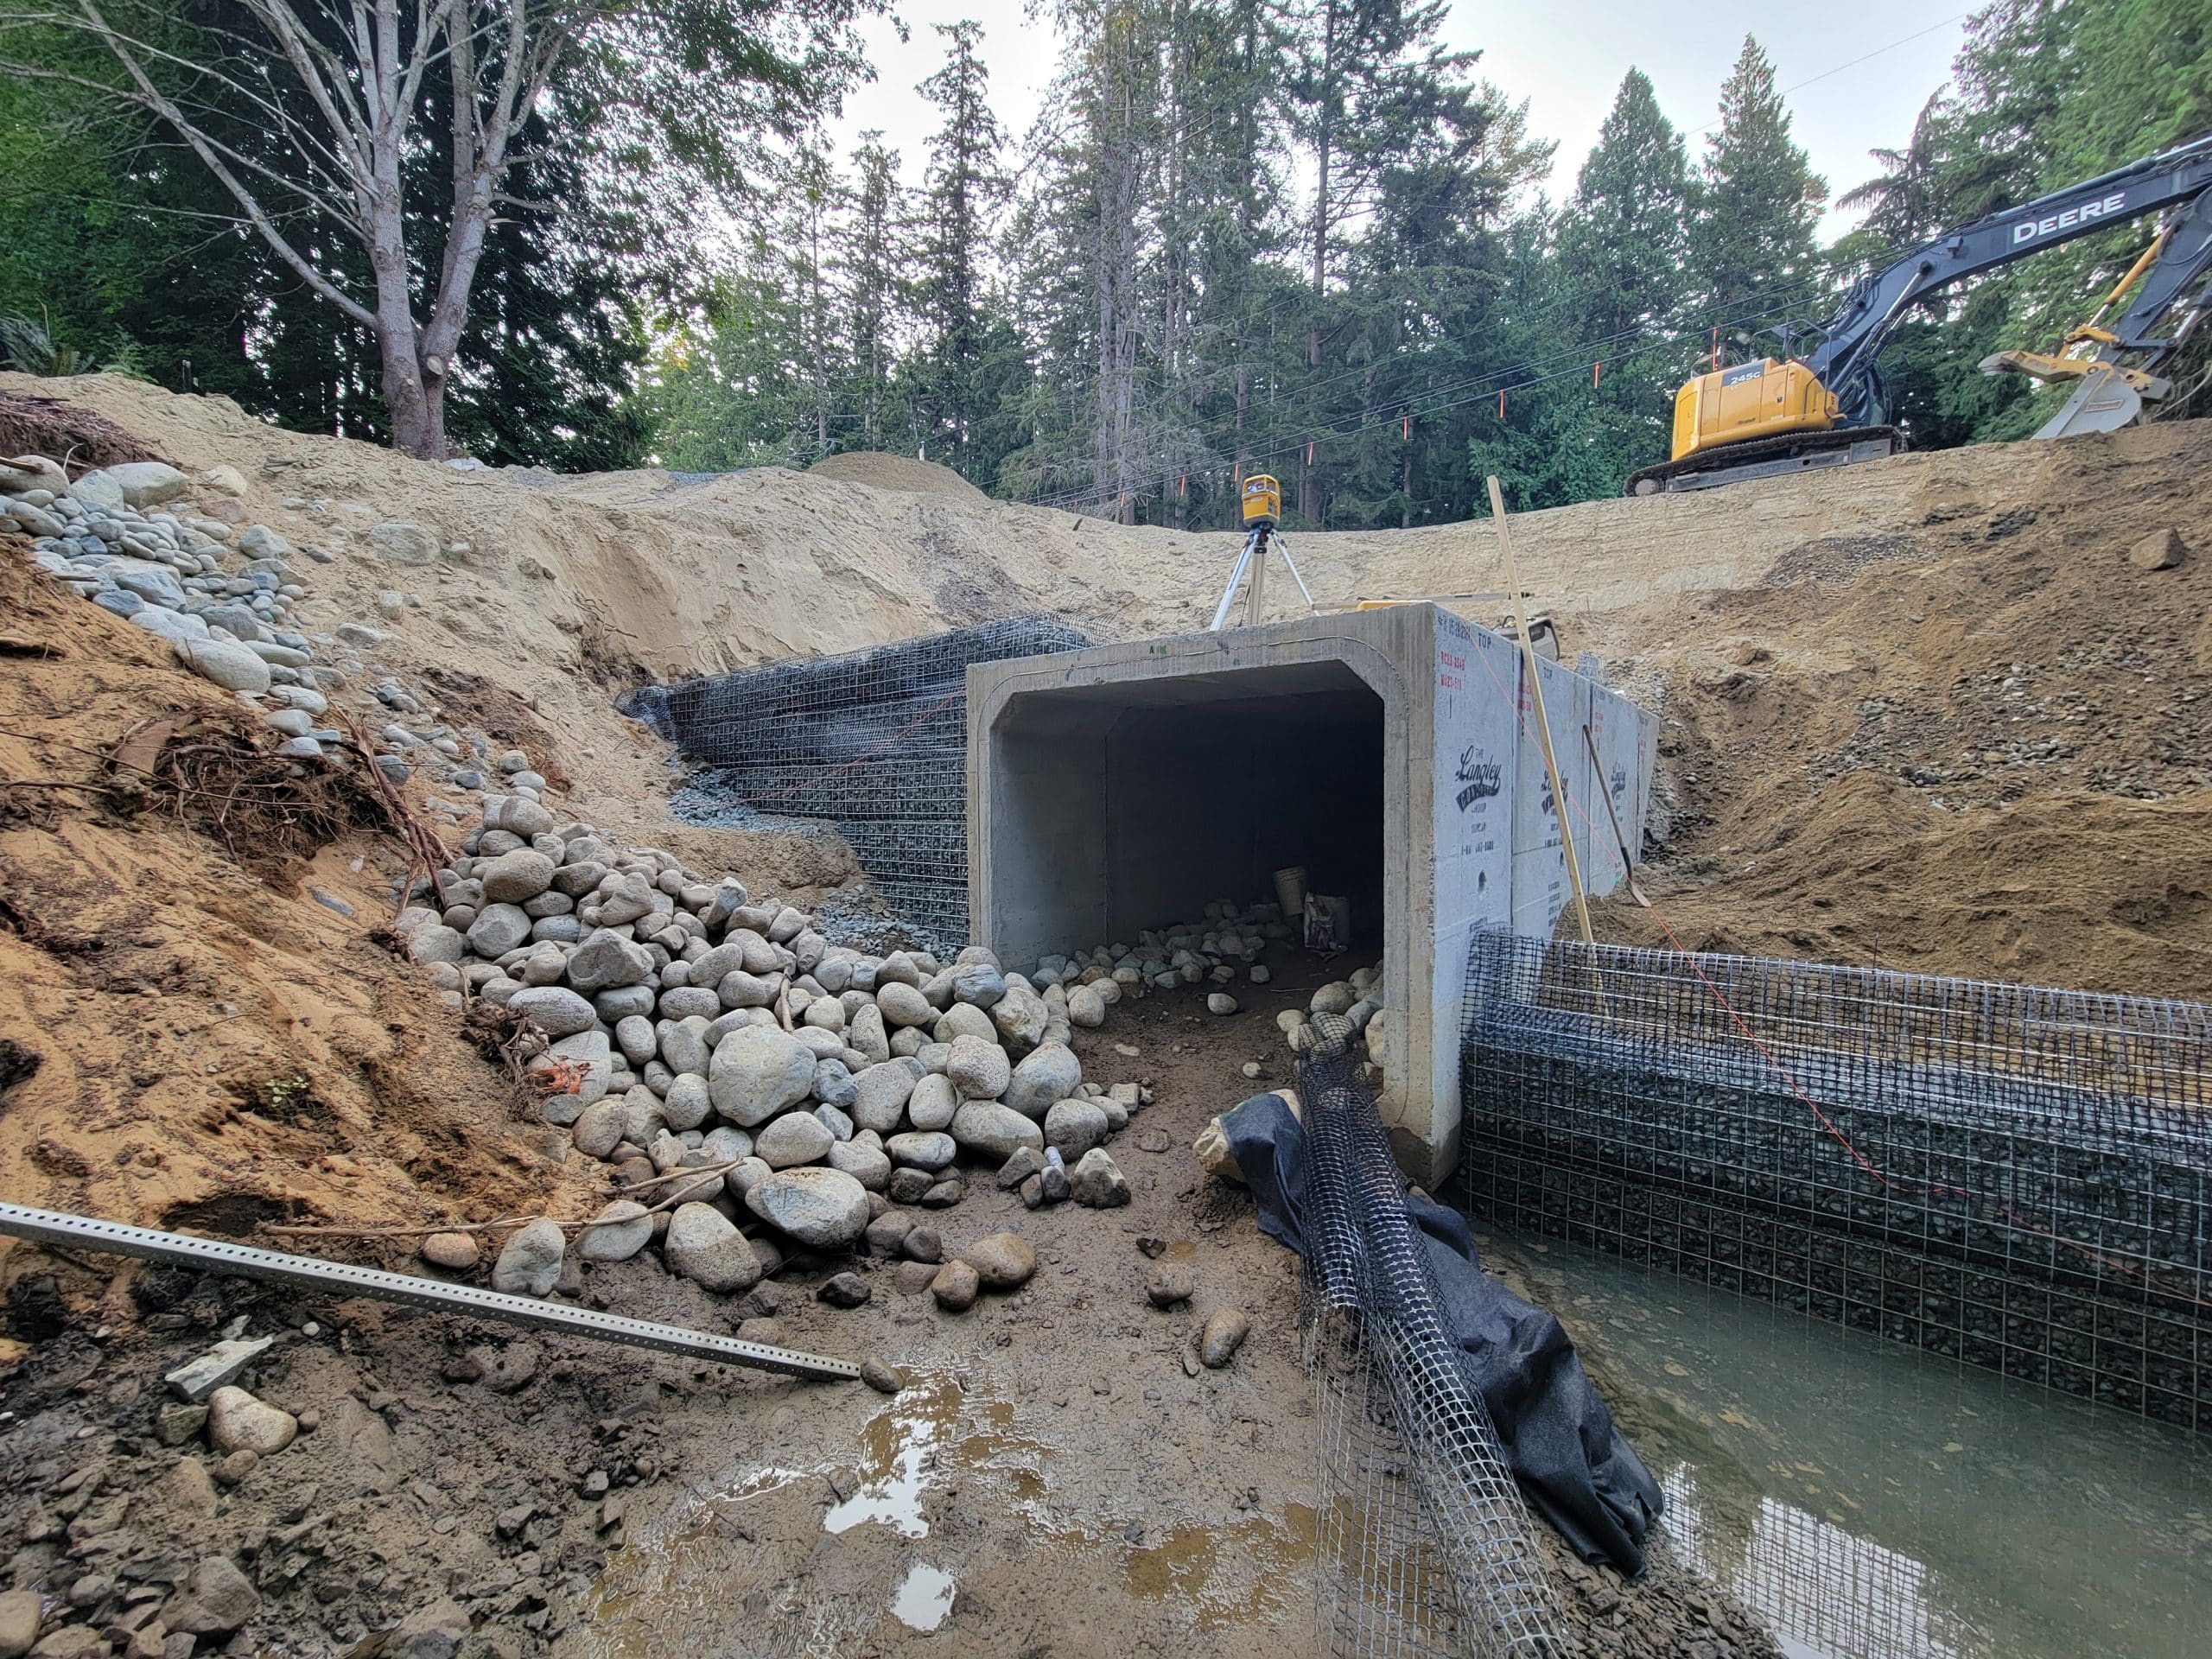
1830,407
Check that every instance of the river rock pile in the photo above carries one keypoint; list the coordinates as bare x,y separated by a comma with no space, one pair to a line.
1229,940
172,553
1213,951
220,594
725,1052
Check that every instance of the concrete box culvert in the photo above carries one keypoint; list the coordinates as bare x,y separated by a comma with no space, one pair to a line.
1391,751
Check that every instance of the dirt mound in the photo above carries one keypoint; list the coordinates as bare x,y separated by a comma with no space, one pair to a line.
1985,749
883,472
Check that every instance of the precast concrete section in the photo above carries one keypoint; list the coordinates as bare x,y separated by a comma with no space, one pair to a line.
1390,751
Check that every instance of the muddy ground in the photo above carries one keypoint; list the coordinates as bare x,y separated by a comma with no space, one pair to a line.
1053,1469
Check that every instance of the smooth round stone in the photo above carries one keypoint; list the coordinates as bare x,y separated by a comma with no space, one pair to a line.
930,1150
1073,1126
866,1164
978,1068
704,1246
794,1138
456,1252
1001,1261
824,1208
529,1262
994,1130
932,1103
619,1232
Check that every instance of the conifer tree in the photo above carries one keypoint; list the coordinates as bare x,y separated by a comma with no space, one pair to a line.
1756,205
1621,246
964,192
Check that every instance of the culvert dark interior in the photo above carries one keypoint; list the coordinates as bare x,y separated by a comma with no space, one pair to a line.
1130,805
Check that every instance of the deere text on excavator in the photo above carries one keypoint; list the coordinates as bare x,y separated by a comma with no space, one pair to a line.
1831,407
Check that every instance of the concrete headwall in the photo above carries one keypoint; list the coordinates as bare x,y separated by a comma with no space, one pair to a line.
1392,752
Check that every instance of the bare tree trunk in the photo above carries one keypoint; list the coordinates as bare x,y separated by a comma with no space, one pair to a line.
343,114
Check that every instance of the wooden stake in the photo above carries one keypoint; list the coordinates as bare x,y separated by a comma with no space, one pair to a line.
1544,725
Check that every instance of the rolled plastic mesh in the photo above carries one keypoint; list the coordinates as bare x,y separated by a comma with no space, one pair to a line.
1426,1546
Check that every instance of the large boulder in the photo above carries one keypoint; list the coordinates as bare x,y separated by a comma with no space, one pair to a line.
757,1073
1049,1073
995,1131
933,1103
230,666
1001,1261
1074,1126
865,1035
881,1094
148,483
826,1208
1096,1181
793,1139
606,961
705,1247
497,930
618,1232
214,1599
557,1010
515,877
903,1005
529,1262
684,1044
1020,1015
964,1020
978,1068
922,1149
978,983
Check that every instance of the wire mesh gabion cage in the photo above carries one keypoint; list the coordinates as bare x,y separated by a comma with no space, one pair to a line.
1426,1545
2015,1176
874,743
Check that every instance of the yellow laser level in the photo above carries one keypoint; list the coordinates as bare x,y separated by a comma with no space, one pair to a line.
1262,502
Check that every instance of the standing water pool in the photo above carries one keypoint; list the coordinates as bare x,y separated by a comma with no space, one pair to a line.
1868,1501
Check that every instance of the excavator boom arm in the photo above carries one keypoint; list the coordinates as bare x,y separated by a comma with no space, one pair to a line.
1844,362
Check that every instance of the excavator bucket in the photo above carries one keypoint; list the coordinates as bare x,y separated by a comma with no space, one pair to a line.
2104,402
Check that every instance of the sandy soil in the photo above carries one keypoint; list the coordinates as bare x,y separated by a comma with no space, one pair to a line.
1826,652
1984,751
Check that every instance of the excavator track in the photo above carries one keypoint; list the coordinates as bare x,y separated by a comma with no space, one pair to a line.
1795,452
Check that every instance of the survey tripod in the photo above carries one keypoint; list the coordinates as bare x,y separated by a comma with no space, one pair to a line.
1262,502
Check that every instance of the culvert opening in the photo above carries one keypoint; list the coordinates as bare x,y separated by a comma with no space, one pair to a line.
1131,805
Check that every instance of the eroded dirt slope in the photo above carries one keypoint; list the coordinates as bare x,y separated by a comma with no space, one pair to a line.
1983,749
197,1039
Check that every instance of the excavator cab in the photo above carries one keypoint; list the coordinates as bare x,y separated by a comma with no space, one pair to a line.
1756,420
1766,399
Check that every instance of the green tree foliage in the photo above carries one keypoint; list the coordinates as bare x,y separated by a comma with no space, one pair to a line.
965,188
1755,204
1297,235
384,162
1622,249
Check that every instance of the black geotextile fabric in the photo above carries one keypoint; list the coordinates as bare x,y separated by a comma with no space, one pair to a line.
1559,1439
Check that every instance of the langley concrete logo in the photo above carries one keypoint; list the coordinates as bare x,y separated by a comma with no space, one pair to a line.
1483,778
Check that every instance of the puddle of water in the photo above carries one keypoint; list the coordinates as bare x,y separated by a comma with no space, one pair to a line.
1870,1502
924,1597
1273,1568
675,1585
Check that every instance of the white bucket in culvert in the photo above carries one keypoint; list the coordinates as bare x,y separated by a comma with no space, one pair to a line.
1290,890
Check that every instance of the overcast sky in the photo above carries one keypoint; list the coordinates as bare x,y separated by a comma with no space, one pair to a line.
1566,57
